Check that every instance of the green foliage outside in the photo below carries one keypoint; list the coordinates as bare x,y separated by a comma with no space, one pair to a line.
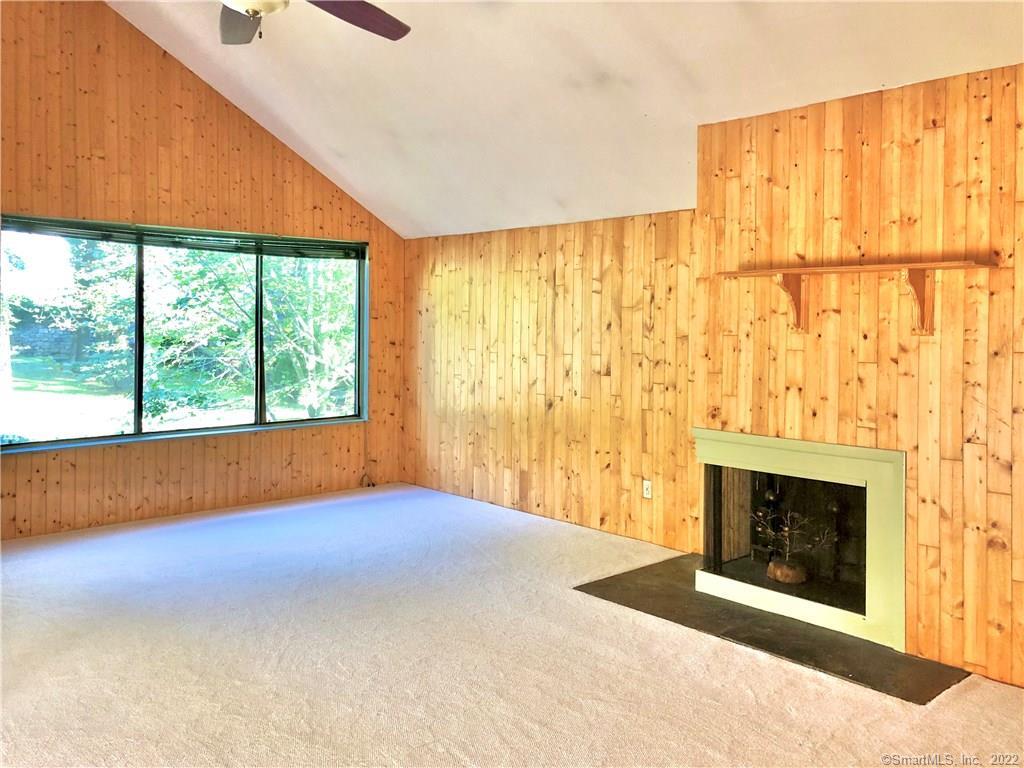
200,338
72,340
94,314
310,335
67,334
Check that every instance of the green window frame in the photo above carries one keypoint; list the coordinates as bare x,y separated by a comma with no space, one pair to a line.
259,247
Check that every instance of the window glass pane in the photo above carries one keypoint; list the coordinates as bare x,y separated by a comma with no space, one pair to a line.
199,339
310,337
67,338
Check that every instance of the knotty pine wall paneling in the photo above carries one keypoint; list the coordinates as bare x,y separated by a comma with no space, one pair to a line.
98,122
925,172
546,370
551,369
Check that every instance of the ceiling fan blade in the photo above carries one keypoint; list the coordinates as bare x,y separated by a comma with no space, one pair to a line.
365,16
237,28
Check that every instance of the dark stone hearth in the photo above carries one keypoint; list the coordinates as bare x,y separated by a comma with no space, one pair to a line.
666,590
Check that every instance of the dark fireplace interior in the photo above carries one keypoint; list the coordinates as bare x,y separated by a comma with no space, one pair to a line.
802,537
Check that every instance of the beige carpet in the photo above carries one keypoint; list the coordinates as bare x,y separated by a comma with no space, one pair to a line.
403,626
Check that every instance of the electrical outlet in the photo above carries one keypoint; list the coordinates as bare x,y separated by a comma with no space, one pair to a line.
648,489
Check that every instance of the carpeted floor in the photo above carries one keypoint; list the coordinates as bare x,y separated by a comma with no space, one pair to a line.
404,626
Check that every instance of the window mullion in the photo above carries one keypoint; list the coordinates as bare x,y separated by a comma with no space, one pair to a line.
261,378
363,340
140,332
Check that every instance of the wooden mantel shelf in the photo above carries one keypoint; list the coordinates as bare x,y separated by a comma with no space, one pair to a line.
919,276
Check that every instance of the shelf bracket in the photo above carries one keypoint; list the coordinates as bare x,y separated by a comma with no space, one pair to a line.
794,287
921,283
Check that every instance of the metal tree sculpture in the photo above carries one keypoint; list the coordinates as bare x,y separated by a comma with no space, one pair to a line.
790,532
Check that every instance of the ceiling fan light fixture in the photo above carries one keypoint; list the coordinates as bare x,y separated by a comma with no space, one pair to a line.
256,8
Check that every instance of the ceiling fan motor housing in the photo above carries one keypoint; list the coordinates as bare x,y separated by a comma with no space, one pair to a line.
256,7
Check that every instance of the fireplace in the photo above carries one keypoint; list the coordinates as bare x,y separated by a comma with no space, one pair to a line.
813,531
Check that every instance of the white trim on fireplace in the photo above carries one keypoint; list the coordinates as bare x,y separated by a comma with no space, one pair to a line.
882,473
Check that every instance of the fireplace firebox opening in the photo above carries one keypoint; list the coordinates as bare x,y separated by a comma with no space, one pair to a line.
794,535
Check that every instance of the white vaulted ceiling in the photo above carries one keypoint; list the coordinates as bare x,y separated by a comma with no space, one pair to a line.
495,115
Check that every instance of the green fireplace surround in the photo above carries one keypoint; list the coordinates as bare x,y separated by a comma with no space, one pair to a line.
881,472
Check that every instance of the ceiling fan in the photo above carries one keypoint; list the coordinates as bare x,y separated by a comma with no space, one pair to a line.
240,20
